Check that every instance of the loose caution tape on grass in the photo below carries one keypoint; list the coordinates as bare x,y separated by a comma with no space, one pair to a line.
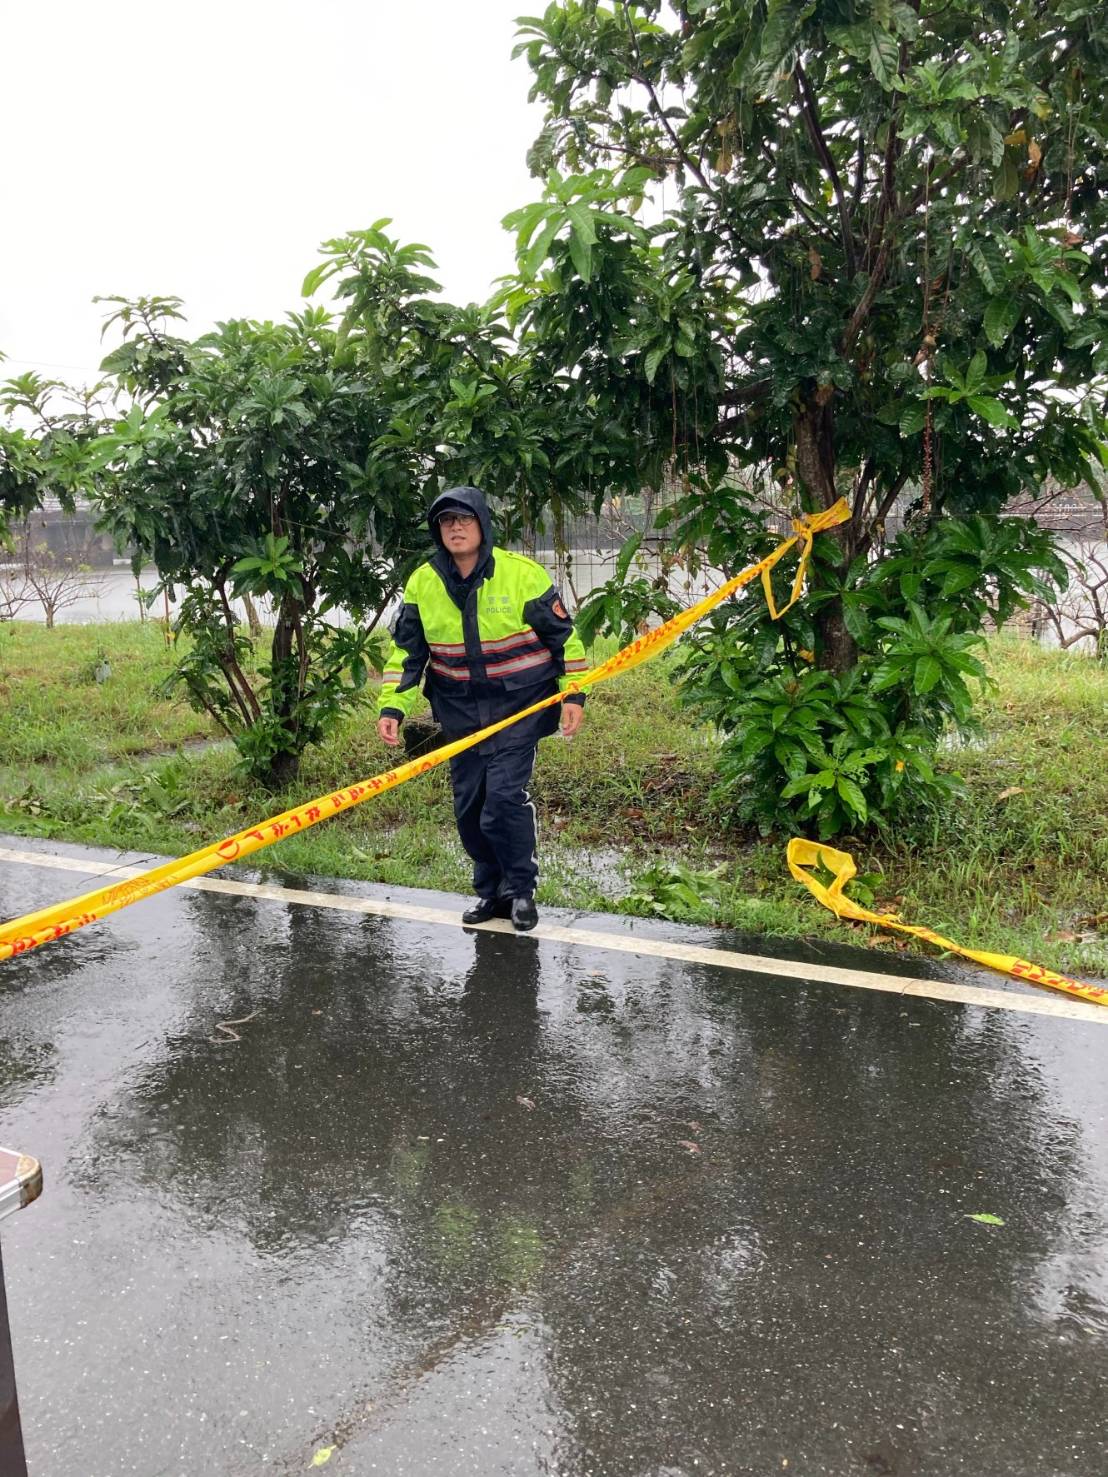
28,932
803,855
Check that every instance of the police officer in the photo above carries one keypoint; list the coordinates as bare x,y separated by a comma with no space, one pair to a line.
490,631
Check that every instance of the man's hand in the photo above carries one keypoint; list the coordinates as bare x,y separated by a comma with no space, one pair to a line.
389,730
573,715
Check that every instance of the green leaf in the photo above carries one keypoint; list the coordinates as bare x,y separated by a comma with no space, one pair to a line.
580,253
1070,286
317,276
852,797
927,673
1007,182
778,32
855,619
801,786
991,410
581,220
912,418
985,1219
960,578
854,40
884,58
536,254
1001,316
524,221
653,359
988,262
627,552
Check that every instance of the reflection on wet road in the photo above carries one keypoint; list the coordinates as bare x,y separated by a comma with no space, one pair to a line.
461,1203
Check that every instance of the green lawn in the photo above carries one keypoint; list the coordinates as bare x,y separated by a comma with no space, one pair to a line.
54,712
1020,864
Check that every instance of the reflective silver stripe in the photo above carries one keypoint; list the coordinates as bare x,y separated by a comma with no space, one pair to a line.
526,637
448,648
391,676
519,664
577,666
461,673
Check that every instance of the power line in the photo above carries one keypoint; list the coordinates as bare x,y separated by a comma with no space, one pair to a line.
46,364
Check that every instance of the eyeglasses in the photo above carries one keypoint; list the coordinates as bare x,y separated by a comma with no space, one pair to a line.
463,519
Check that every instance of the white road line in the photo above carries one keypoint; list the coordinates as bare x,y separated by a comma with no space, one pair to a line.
582,938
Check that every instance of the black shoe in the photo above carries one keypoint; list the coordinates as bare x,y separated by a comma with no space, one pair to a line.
524,914
488,907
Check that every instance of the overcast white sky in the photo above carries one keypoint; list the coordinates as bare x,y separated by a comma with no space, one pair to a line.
205,150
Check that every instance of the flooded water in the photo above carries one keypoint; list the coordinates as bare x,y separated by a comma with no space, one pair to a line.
107,596
472,1203
112,595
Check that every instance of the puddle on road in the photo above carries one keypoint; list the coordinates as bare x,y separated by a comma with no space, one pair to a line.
520,1209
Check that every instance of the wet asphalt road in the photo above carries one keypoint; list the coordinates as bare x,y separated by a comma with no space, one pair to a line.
473,1203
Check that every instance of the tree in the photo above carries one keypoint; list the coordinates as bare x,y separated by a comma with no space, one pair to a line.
42,446
15,593
1080,615
293,463
465,400
42,575
875,269
240,469
20,478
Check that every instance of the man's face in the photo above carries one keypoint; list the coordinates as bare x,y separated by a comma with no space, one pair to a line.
461,532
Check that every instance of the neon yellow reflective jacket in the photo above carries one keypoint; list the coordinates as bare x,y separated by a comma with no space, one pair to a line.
488,646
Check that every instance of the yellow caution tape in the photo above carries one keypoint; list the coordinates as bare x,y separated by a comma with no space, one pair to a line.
803,855
28,932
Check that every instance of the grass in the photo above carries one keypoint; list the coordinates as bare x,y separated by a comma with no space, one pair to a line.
1024,856
1019,864
53,711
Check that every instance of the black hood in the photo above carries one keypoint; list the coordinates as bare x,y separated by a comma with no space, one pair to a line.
464,497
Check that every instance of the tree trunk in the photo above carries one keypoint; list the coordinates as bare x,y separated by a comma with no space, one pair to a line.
283,770
836,650
252,617
285,763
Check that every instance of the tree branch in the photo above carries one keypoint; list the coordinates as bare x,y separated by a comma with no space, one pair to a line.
810,110
859,176
728,423
387,597
886,213
744,394
881,512
653,161
806,210
865,303
241,690
639,75
213,713
863,488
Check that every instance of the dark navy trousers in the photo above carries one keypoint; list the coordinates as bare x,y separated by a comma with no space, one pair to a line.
496,818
